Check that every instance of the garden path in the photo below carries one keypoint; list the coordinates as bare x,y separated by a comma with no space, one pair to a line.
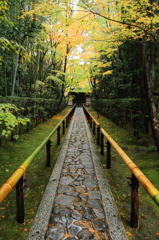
77,203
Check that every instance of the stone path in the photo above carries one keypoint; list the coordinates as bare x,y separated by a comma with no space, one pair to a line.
79,201
77,210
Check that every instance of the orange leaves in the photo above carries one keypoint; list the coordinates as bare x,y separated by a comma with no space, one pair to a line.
25,229
129,234
85,224
51,224
67,235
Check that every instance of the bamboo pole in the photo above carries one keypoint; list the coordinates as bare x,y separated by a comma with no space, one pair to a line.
148,186
7,187
87,113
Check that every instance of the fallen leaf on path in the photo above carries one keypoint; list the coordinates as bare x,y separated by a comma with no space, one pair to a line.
68,235
129,234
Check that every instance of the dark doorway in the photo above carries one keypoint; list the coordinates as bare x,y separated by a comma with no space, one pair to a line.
79,99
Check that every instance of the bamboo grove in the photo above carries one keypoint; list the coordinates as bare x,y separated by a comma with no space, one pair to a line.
110,48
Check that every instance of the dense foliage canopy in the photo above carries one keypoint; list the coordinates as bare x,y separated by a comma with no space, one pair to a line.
110,47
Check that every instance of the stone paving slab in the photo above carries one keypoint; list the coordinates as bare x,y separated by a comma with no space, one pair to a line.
78,203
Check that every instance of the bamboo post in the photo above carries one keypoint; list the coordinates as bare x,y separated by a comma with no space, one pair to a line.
87,114
68,117
94,128
48,148
134,202
20,200
102,144
108,155
67,122
71,116
91,122
98,135
58,135
63,126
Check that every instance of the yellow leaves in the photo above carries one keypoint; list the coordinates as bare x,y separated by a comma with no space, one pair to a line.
1,59
44,7
108,72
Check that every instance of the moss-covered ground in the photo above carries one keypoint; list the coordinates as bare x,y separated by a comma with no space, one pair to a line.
12,155
147,159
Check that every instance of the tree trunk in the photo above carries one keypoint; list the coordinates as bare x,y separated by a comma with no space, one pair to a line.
64,70
15,73
152,109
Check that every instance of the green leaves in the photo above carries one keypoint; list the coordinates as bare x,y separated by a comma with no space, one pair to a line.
8,120
57,80
5,43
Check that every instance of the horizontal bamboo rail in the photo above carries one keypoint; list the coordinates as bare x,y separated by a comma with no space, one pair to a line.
94,120
144,181
7,187
148,186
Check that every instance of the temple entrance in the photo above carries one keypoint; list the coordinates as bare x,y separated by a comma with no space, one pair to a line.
79,99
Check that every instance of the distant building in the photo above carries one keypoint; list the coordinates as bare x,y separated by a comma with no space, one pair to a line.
79,98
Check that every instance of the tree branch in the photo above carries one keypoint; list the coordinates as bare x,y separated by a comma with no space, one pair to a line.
88,9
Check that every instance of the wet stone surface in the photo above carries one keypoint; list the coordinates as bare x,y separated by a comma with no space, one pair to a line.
77,212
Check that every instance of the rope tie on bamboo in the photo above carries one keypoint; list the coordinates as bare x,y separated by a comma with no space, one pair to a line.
136,167
8,186
132,167
22,167
122,153
141,175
